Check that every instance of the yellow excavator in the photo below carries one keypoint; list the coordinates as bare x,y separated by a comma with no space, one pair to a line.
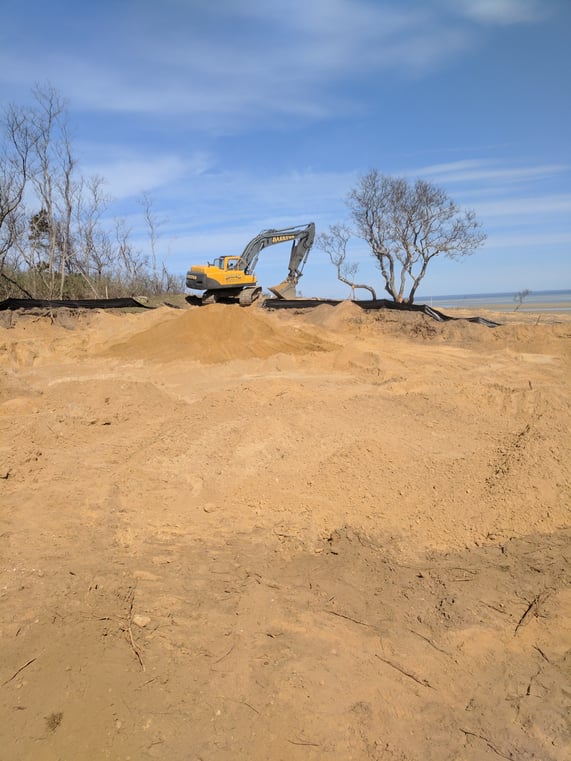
232,278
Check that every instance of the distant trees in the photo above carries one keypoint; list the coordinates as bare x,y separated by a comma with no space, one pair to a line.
406,225
55,238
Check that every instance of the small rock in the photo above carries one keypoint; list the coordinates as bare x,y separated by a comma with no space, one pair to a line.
141,621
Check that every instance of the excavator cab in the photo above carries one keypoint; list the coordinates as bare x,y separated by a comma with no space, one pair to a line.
234,263
225,263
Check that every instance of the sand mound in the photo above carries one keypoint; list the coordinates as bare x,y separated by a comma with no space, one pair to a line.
214,334
337,317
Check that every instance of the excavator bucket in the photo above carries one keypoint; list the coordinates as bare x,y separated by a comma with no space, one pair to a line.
285,289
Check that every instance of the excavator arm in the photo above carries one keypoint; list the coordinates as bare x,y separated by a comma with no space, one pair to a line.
302,240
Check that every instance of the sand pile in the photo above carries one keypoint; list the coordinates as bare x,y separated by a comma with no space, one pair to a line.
215,334
30,339
339,317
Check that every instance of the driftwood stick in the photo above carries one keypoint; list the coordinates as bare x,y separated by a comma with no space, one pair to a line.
430,642
15,674
422,682
348,618
134,648
490,745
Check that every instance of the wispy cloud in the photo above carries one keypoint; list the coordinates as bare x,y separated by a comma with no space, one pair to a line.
252,202
482,170
536,240
130,176
500,11
529,207
264,62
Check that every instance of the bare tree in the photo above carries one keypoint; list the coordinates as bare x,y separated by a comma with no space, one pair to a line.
334,244
45,118
94,256
519,297
18,141
132,265
66,187
153,224
407,225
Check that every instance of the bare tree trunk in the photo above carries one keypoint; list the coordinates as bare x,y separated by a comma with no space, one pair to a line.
66,193
45,118
152,226
355,286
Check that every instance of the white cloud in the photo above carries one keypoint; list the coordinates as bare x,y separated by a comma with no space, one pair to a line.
526,207
131,176
528,240
263,200
481,170
500,11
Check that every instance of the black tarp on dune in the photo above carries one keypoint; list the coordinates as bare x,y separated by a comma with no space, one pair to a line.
376,304
14,304
126,303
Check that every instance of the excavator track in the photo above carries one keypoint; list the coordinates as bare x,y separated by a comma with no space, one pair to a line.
209,297
248,296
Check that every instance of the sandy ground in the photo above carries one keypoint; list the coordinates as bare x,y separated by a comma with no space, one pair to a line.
234,534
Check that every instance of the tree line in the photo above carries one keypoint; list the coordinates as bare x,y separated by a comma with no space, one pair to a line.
55,240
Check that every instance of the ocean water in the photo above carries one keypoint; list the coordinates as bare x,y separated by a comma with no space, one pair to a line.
536,301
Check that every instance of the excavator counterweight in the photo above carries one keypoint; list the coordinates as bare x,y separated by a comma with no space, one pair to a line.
232,277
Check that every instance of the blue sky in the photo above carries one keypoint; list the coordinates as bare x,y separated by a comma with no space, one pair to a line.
239,115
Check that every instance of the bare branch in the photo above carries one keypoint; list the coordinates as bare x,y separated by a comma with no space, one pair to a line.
334,244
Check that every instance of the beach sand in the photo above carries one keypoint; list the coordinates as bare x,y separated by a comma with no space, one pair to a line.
332,534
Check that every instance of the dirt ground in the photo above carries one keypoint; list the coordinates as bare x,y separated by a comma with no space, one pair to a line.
234,534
